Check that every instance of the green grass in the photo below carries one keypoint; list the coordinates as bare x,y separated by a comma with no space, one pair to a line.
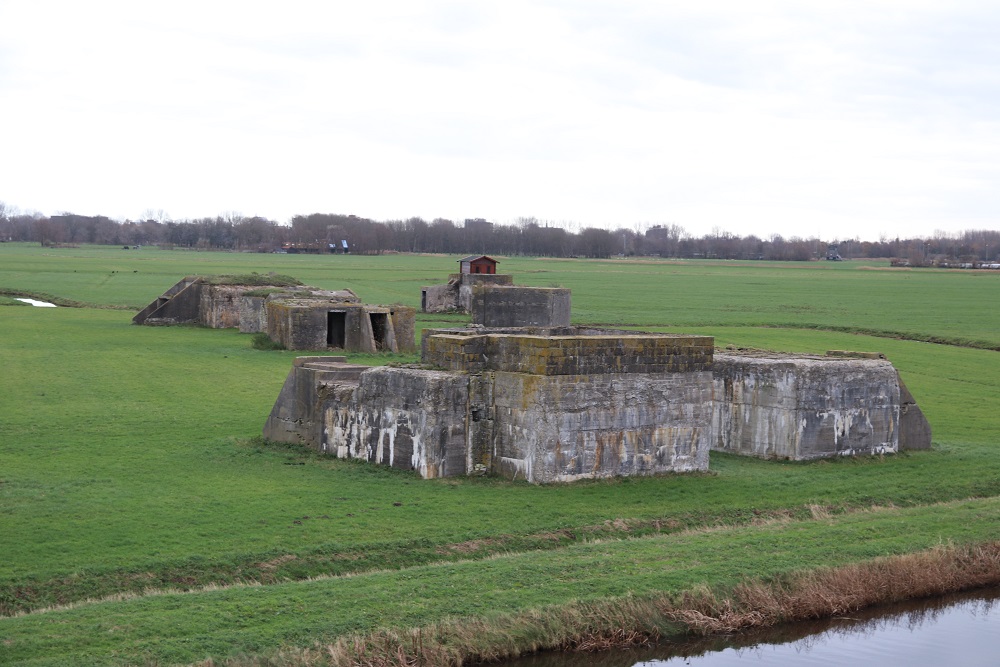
187,627
934,304
130,458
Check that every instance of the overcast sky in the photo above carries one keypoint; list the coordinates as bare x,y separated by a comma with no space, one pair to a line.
828,119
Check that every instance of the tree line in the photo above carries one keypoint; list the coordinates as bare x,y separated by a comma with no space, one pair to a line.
526,236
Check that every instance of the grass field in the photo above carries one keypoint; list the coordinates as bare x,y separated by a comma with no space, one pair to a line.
130,462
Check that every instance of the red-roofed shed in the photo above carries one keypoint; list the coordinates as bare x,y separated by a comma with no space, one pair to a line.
478,264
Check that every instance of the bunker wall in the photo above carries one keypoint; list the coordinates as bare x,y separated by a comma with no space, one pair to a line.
563,428
405,418
804,408
468,282
178,305
220,306
306,326
312,384
253,314
509,306
439,298
404,325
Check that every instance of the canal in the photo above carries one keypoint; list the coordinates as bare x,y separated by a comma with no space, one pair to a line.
961,629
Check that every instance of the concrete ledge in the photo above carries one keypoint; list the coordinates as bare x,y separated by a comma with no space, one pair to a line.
568,354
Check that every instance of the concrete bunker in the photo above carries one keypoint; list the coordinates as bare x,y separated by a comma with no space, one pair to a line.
542,404
297,316
456,294
314,323
515,306
556,404
494,300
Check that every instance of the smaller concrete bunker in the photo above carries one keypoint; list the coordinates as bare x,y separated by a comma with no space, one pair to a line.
456,294
494,300
315,323
296,316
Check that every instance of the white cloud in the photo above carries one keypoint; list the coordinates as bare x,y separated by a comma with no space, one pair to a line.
836,119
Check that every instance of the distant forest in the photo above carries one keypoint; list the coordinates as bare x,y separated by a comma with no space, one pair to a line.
527,236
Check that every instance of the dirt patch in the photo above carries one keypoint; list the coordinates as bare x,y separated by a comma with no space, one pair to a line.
267,566
471,546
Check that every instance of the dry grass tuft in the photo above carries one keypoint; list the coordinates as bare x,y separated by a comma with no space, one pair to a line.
836,591
819,512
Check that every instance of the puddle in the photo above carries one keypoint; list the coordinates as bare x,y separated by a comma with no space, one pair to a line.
40,304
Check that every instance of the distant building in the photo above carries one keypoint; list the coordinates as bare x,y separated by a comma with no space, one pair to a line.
478,224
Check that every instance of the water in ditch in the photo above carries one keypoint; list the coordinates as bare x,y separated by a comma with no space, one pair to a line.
962,629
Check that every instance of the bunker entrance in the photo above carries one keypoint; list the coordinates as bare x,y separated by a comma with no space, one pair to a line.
336,327
380,329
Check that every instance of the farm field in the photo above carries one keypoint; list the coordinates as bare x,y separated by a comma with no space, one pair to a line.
136,493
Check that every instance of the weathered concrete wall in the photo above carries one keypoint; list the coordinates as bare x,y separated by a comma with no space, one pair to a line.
440,298
543,429
311,385
456,294
469,281
304,325
220,306
178,305
564,407
404,326
406,418
563,428
914,429
509,306
804,407
253,314
568,355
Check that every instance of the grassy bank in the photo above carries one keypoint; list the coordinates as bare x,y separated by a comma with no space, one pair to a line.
184,627
131,462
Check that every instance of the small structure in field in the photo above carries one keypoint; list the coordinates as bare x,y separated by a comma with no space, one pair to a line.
477,264
308,322
494,300
456,294
293,315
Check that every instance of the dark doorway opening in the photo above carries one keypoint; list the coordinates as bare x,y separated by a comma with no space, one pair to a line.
380,329
336,327
423,300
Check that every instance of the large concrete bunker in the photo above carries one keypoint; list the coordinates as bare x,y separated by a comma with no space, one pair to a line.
552,404
544,405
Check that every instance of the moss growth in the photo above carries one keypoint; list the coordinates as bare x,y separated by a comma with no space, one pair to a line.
267,291
253,278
